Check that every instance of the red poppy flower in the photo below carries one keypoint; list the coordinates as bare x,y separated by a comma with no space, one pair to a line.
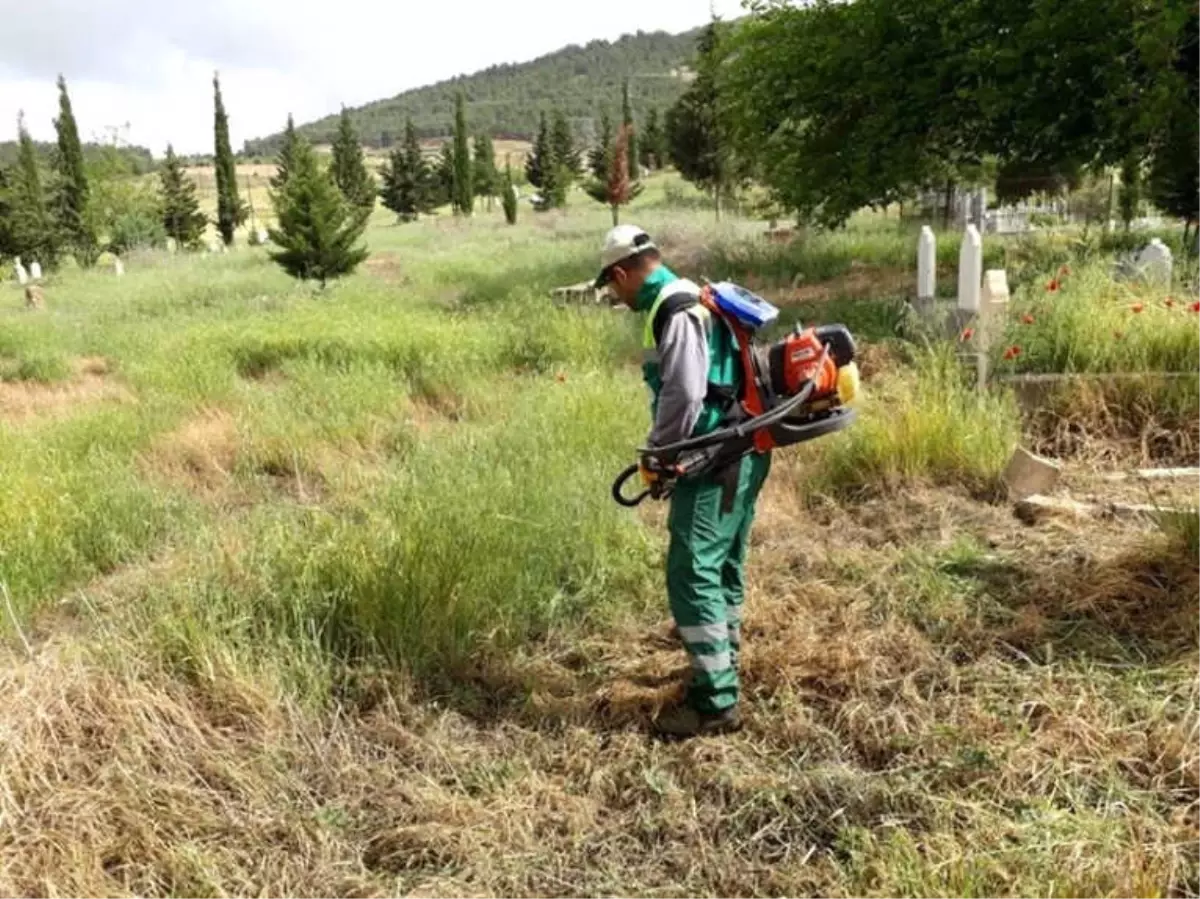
967,334
1052,285
1012,352
1137,307
1027,319
1196,307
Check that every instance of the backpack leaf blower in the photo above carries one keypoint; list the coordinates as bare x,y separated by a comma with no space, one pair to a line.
794,390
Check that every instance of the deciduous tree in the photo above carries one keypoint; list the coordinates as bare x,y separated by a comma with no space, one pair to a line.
617,189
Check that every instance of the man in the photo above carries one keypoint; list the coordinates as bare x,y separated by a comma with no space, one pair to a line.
692,367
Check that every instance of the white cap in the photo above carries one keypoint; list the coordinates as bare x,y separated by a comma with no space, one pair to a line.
621,242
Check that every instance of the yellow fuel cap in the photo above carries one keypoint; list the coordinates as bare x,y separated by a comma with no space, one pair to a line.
847,383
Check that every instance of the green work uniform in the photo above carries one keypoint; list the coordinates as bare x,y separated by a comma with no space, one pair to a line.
708,535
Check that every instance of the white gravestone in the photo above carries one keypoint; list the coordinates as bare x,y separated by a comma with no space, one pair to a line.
118,266
970,270
1154,262
171,245
35,270
926,264
22,275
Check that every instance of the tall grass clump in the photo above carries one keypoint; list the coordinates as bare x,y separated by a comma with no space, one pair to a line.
1182,528
484,536
928,424
822,255
1082,320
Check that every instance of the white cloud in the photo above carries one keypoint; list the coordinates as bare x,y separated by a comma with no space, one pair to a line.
149,63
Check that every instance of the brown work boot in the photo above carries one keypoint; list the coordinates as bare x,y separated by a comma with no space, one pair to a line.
683,721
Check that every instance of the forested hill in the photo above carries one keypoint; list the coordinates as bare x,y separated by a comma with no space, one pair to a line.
129,160
505,100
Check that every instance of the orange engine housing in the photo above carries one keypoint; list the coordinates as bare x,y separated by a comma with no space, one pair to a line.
799,358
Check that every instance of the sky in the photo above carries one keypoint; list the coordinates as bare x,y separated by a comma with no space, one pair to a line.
142,69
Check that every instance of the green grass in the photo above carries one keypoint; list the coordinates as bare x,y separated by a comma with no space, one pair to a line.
1090,322
929,425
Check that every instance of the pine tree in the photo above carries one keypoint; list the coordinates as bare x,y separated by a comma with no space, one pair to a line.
230,210
423,179
652,146
33,232
391,186
598,157
539,159
508,197
318,229
484,176
631,131
463,195
74,221
283,159
555,182
562,143
349,169
617,189
181,215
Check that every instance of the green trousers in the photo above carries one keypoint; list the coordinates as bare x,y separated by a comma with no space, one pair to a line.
706,578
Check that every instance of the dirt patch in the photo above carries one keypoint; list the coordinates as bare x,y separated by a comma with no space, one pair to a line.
860,282
201,452
386,267
91,383
1143,422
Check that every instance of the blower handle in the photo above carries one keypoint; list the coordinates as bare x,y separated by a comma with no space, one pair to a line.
628,501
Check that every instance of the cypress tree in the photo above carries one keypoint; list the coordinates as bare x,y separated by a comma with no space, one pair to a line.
73,194
598,157
508,197
349,170
33,232
539,159
563,144
484,175
442,191
181,215
283,159
6,241
631,132
1131,188
230,210
318,228
463,195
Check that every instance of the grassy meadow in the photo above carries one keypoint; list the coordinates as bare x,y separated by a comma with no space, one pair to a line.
323,593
